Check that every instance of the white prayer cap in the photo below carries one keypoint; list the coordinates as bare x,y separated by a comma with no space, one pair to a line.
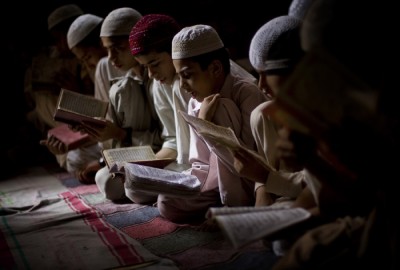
195,40
62,13
81,28
120,22
298,8
276,45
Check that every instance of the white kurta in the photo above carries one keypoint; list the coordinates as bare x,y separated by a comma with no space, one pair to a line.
130,110
220,185
169,100
104,77
283,182
105,74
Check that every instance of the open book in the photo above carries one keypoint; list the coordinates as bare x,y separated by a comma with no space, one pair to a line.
219,136
143,155
71,139
73,108
157,181
246,224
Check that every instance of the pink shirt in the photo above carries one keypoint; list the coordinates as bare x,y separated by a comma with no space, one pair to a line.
238,98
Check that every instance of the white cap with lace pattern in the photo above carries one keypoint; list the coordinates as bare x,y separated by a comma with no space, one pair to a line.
195,40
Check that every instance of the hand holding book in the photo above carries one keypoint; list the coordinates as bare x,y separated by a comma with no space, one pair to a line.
250,165
223,138
143,155
62,139
108,130
73,108
54,145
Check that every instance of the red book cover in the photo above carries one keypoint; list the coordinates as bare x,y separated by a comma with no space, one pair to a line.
70,138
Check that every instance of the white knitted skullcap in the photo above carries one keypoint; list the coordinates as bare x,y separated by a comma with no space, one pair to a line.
119,22
62,13
81,28
298,8
195,40
276,44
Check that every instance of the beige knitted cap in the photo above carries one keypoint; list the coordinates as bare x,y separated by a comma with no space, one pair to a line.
119,22
195,40
81,28
62,13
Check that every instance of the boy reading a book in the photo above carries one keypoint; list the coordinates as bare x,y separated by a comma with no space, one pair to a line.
54,68
84,42
203,65
134,122
366,234
275,50
150,43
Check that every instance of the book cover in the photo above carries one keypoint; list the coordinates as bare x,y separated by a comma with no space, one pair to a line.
73,108
143,155
71,139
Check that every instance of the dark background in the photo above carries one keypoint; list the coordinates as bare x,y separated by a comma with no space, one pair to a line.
236,23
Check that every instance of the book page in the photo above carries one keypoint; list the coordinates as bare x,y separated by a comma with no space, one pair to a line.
155,180
160,163
217,136
82,104
223,134
244,228
216,211
128,154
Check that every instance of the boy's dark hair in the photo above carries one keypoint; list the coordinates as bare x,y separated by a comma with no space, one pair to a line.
91,40
118,39
205,60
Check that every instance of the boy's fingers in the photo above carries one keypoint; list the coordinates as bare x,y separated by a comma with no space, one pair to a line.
43,142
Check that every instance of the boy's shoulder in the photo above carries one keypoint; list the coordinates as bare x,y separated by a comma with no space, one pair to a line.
125,84
245,88
242,82
239,71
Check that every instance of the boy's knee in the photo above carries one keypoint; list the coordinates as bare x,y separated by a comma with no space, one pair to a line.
112,188
140,197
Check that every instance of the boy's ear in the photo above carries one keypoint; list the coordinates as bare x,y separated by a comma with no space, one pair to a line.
216,68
